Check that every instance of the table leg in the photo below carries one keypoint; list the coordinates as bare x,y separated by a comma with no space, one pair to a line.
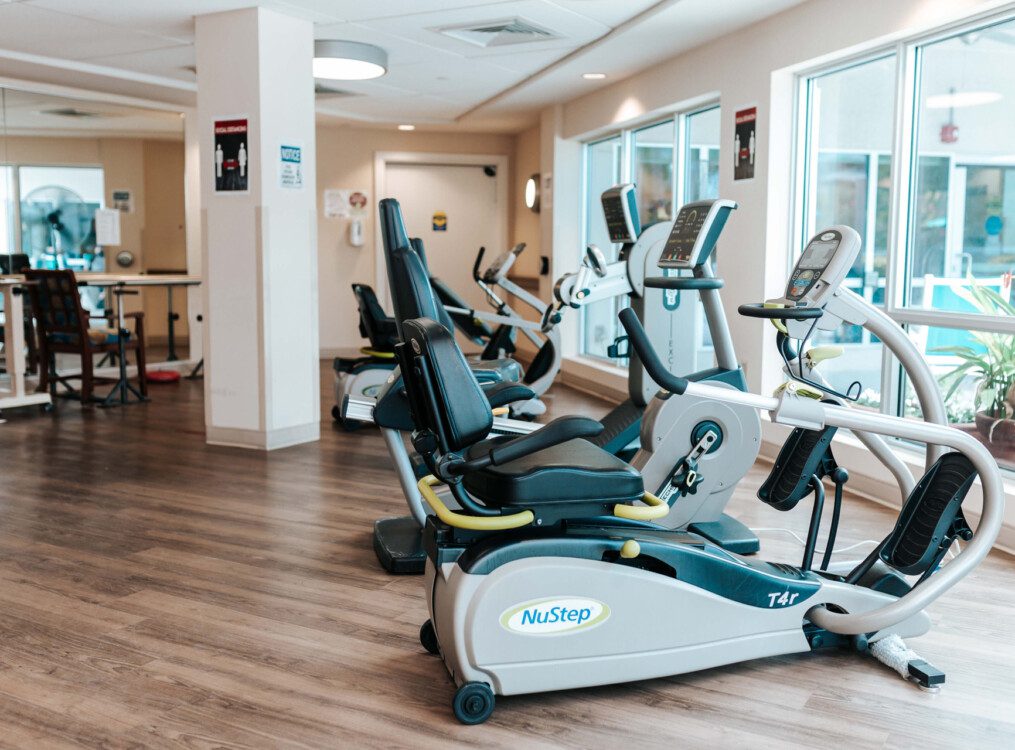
123,388
171,356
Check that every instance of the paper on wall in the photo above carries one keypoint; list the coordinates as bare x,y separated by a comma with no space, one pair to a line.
107,227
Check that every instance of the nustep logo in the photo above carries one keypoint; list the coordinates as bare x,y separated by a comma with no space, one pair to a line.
554,616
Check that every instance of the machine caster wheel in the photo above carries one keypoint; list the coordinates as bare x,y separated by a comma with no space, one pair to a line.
428,637
473,703
350,425
336,413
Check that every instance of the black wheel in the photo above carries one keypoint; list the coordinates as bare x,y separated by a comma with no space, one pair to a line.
428,637
350,425
473,703
336,413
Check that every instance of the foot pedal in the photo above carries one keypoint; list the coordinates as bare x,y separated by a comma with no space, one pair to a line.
926,675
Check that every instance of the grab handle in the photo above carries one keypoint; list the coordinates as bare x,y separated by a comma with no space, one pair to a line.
637,338
683,283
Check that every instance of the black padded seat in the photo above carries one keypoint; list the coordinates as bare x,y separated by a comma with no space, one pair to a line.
572,472
496,370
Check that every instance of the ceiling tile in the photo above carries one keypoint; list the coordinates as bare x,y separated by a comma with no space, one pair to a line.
399,49
420,27
173,18
610,12
169,62
26,27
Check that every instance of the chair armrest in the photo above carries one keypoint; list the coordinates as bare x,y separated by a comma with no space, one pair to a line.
137,315
502,394
556,432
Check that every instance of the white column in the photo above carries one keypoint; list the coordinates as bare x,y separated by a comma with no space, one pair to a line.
194,232
260,267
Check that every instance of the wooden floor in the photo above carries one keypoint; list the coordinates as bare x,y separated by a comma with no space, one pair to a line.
155,591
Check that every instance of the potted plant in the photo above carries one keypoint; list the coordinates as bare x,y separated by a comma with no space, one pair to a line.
992,363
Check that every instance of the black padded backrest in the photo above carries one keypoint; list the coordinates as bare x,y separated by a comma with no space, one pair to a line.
443,393
443,316
374,324
411,294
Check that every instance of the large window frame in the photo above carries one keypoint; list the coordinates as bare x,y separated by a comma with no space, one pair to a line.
904,163
678,188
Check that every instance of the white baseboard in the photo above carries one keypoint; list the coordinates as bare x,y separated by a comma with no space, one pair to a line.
263,439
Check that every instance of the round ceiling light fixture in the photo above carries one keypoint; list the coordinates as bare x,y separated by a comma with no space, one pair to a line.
338,60
593,76
407,128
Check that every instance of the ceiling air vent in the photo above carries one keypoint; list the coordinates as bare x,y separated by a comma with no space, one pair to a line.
71,112
499,33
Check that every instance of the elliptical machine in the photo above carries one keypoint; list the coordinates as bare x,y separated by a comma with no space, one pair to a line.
550,539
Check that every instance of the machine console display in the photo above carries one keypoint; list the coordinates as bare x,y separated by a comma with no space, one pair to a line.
694,233
620,207
822,266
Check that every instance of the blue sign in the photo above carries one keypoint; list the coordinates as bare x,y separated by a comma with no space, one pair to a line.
993,225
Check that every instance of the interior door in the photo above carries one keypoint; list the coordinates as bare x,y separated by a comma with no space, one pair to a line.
454,209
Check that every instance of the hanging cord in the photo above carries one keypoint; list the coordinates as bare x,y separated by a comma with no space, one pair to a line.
852,393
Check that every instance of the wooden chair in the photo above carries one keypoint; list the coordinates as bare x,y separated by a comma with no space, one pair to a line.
63,328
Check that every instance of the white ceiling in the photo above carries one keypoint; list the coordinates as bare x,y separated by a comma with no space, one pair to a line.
145,49
35,114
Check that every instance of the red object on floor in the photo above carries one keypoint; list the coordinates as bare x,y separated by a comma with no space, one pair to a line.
163,376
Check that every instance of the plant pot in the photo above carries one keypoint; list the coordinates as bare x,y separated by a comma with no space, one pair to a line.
1004,431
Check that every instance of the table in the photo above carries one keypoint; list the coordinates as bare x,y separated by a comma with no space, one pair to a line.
118,283
168,280
12,289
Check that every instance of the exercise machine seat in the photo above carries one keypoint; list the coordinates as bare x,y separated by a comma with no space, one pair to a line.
575,471
379,329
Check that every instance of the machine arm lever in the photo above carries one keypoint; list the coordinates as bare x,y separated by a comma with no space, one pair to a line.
475,266
637,338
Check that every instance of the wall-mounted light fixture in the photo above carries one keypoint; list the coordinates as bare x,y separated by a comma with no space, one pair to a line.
339,60
532,193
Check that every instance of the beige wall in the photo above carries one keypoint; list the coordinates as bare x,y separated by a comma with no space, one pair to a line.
163,237
345,160
525,225
154,232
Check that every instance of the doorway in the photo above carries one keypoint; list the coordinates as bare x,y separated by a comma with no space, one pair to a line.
455,207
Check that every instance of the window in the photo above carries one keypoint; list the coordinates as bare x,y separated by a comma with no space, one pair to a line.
652,159
602,169
939,254
57,208
7,242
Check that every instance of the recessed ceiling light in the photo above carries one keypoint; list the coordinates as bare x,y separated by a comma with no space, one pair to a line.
593,76
958,99
406,127
348,61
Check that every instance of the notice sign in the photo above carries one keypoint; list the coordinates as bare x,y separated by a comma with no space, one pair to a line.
107,227
745,143
290,167
123,202
440,221
232,160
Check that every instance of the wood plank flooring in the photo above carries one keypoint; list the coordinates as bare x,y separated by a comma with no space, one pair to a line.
158,592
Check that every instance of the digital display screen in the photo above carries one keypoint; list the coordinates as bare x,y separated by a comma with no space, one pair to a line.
817,254
684,235
616,219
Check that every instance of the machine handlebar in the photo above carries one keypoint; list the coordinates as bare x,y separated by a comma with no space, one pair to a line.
637,338
475,266
760,310
682,282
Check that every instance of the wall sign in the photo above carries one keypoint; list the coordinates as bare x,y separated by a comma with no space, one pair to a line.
232,157
123,201
290,166
745,143
440,221
345,204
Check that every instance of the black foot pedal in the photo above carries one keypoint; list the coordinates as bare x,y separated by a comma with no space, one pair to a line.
926,675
